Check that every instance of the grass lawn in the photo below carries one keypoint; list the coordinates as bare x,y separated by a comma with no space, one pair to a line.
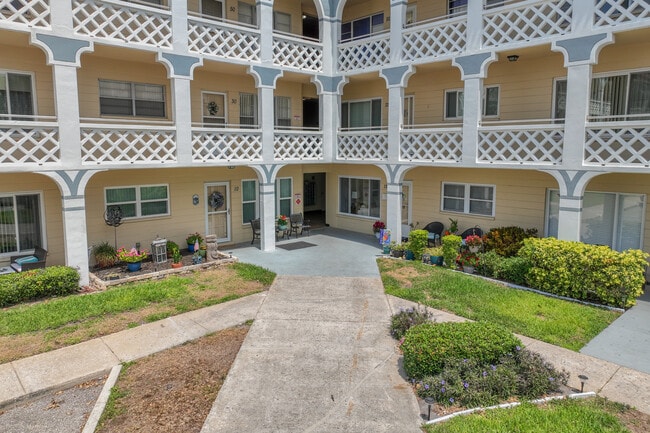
595,415
562,323
29,329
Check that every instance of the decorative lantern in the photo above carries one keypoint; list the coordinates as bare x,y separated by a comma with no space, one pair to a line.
159,250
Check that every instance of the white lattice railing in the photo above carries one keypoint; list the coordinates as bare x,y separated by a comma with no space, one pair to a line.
618,144
364,53
298,145
520,144
223,39
34,13
297,53
435,39
363,145
431,144
123,21
126,144
526,21
612,12
225,145
29,142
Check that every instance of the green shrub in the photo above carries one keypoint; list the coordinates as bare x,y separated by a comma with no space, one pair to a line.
506,241
105,255
36,284
489,264
407,318
592,273
469,383
515,270
418,242
429,347
450,246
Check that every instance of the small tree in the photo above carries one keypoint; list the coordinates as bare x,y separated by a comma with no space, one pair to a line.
418,242
450,246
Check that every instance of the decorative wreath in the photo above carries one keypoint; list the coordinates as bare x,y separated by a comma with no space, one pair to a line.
213,108
216,200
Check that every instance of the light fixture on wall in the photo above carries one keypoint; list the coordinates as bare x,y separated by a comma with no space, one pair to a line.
513,58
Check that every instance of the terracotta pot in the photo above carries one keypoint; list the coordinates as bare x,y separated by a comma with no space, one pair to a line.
177,265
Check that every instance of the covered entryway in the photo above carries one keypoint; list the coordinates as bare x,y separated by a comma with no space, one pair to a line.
217,210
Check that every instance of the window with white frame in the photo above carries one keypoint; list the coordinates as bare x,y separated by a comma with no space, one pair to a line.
212,8
282,22
411,14
455,100
468,198
21,222
16,95
618,96
214,108
122,98
362,27
457,7
249,200
607,218
407,118
282,111
248,109
247,13
283,193
139,201
361,114
359,196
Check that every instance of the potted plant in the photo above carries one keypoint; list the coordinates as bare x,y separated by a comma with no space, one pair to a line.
377,227
468,261
282,222
177,258
171,246
105,255
435,255
133,258
192,239
473,243
453,227
397,249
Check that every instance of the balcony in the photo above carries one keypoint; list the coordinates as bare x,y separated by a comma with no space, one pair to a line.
25,13
298,145
121,142
224,39
29,142
290,51
226,144
431,143
434,38
618,144
537,142
362,144
616,12
370,52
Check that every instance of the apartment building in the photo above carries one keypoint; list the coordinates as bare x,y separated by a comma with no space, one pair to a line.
200,115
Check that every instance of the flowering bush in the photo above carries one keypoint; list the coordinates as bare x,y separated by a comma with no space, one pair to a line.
283,220
132,255
193,237
473,241
378,225
405,319
467,258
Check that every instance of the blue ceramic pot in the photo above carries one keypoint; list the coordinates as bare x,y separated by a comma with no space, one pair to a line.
132,267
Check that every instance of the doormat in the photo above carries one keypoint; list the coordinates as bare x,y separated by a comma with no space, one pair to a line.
296,245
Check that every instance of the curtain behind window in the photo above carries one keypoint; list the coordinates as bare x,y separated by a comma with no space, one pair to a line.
639,101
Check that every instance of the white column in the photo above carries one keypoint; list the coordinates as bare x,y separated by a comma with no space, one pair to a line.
75,237
182,111
471,118
180,37
397,17
329,36
395,110
267,216
394,210
474,25
577,110
61,17
66,96
582,16
569,215
330,119
267,122
265,14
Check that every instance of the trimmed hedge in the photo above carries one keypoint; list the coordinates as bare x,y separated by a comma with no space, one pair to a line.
450,246
429,347
39,283
588,272
506,241
418,242
512,269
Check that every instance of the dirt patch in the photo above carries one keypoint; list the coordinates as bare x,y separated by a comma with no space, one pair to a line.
404,275
173,391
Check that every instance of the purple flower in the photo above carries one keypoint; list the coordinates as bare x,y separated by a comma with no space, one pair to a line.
466,385
518,348
465,360
484,373
451,400
442,390
426,386
550,379
442,382
493,367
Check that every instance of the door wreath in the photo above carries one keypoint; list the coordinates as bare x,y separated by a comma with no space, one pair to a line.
216,200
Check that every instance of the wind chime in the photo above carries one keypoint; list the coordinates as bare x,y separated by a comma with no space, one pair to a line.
113,217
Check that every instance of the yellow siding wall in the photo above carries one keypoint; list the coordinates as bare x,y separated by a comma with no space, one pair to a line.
621,56
428,88
292,8
362,9
96,68
231,85
427,9
51,202
31,60
368,90
294,91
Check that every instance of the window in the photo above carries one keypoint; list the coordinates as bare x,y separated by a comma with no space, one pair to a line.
611,95
139,201
411,14
362,27
120,98
407,118
248,110
212,8
454,103
16,95
457,7
469,199
247,13
359,196
282,22
607,218
21,222
361,114
284,190
214,105
249,200
282,111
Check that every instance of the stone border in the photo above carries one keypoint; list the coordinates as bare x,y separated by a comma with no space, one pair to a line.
102,400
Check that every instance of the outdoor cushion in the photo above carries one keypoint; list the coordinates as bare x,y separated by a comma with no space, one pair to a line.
28,259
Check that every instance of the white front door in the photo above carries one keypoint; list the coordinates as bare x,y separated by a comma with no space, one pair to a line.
217,210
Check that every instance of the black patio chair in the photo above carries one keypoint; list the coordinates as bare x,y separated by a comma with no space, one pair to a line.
296,222
435,232
257,231
476,230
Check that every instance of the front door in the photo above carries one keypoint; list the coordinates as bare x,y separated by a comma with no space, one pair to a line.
217,206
